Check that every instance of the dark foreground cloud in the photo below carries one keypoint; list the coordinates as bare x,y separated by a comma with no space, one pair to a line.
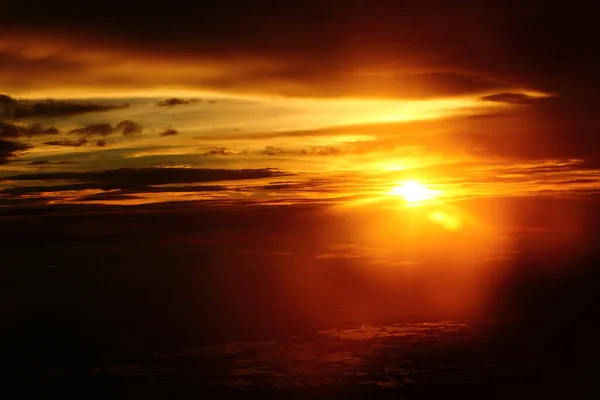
12,131
175,101
223,151
68,143
11,108
126,128
10,149
169,132
46,162
127,178
308,151
102,129
129,127
511,98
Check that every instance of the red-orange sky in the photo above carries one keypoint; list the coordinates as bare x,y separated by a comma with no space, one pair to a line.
247,197
322,99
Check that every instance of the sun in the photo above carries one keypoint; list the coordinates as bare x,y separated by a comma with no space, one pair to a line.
413,191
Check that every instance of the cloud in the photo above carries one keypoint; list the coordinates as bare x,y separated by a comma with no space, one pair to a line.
68,143
83,141
11,108
174,101
273,151
169,132
12,131
224,151
128,127
512,98
310,151
39,129
137,179
10,149
101,129
46,162
110,196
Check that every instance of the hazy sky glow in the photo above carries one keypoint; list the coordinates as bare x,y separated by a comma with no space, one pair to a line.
339,111
312,199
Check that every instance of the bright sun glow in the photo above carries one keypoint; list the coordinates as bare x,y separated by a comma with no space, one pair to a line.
413,191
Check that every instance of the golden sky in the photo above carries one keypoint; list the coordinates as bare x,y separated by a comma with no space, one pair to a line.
176,173
349,105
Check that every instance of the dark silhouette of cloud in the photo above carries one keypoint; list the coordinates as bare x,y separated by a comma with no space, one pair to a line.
46,162
310,151
108,196
12,131
126,128
101,129
127,183
11,108
169,132
175,101
68,143
39,129
129,127
224,151
511,98
10,149
140,179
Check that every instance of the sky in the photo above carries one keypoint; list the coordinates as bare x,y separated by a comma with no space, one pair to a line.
476,99
179,176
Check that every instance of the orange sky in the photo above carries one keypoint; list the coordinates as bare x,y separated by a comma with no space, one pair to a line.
349,105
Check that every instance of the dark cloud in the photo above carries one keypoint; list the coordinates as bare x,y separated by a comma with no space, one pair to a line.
126,178
126,128
12,131
83,141
511,98
8,106
40,129
101,129
224,151
169,132
129,127
112,191
46,162
174,101
127,184
11,108
108,196
68,143
310,151
10,149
